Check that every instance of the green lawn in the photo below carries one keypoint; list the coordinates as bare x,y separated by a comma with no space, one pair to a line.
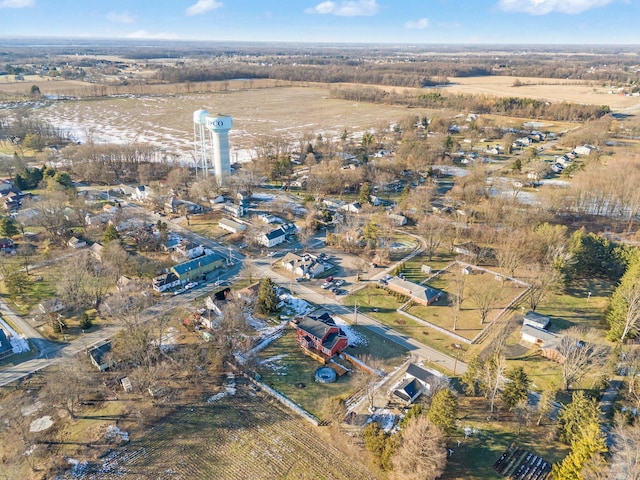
477,453
291,368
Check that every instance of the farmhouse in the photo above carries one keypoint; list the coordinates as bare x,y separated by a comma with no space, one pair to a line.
421,294
322,336
231,226
198,267
305,265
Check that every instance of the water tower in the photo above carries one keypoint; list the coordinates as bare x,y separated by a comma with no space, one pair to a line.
211,142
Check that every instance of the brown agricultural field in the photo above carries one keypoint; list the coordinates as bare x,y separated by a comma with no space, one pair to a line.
550,89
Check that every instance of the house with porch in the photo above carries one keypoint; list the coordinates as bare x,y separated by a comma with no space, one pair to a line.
319,336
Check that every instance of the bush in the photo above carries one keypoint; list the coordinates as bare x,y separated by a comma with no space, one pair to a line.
85,322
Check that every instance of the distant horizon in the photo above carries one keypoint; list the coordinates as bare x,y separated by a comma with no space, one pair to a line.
69,41
448,22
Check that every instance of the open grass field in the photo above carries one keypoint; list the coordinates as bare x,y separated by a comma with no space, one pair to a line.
239,436
475,456
548,89
167,121
469,322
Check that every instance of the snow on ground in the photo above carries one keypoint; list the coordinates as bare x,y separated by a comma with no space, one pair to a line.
18,343
264,197
385,418
262,327
79,468
299,306
355,338
274,363
40,424
114,433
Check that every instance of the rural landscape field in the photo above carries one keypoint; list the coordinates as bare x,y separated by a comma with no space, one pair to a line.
407,262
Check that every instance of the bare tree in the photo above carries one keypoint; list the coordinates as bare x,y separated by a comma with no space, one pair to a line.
625,452
486,298
457,296
68,384
493,377
422,453
432,231
581,354
631,298
510,255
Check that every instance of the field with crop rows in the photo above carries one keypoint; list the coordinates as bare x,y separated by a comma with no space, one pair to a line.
239,436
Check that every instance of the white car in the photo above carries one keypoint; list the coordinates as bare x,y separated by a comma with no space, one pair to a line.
190,285
271,254
326,285
339,283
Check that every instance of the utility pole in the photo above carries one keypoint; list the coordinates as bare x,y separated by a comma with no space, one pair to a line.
355,313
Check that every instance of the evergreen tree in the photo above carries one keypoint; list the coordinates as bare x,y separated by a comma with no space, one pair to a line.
589,442
444,411
365,193
8,227
573,417
267,299
111,233
516,388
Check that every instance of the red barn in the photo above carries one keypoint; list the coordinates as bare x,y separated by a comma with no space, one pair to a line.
326,337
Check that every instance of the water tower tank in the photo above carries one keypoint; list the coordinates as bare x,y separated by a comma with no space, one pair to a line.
200,116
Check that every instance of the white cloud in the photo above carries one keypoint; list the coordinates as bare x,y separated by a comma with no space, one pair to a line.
420,24
124,17
152,36
350,8
16,3
203,6
543,7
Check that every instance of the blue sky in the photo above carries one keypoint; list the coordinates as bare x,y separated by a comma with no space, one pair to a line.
362,21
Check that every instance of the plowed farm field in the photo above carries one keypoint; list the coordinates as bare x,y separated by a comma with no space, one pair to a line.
241,436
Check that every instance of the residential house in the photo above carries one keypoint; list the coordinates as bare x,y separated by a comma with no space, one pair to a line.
142,193
305,265
52,305
249,293
269,219
231,226
235,210
165,282
75,242
324,337
333,204
96,251
277,236
5,186
171,205
585,149
100,356
422,294
353,207
547,341
5,345
198,267
397,219
417,380
408,390
536,320
6,244
188,249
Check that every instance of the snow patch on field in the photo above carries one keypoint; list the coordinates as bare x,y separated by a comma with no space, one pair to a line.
41,424
114,433
385,418
297,305
274,363
355,338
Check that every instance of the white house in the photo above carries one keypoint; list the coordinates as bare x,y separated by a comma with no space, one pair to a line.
303,265
353,207
75,242
585,149
397,219
141,193
277,236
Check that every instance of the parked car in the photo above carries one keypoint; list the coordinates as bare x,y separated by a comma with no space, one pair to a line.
190,285
339,282
340,291
326,285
